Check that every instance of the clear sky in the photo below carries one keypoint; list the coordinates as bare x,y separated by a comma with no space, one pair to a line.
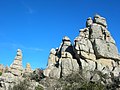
36,26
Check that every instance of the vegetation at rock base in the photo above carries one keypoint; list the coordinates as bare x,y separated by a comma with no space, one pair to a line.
23,85
39,88
77,81
37,75
74,81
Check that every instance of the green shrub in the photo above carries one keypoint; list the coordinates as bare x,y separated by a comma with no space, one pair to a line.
37,75
23,85
39,88
78,81
0,73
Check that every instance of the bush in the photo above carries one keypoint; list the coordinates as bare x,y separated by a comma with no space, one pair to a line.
0,73
39,88
23,85
37,75
78,81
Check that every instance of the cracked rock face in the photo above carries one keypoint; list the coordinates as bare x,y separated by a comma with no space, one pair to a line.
93,49
103,43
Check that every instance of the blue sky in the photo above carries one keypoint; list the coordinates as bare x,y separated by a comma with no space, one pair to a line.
36,26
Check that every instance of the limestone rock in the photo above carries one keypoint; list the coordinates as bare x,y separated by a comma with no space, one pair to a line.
66,55
88,65
104,49
55,72
83,47
52,58
69,66
100,20
94,49
103,43
96,32
28,68
66,45
1,68
8,79
89,22
46,72
16,66
106,62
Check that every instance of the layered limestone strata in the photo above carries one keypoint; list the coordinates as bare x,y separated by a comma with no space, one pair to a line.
93,49
16,67
28,68
14,74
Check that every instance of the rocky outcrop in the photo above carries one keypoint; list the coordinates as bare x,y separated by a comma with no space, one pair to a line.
93,57
28,68
93,49
61,61
1,68
16,67
103,43
15,74
83,47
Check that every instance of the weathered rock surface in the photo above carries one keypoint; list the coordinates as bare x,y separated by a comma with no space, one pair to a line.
16,66
15,73
94,49
68,66
28,68
1,68
61,61
94,53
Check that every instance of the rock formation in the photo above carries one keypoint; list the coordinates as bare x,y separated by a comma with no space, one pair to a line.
93,52
28,68
15,73
16,67
1,68
93,49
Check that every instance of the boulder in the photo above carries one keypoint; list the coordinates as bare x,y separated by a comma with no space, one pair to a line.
105,50
52,58
88,65
100,20
66,45
89,22
83,46
68,66
55,72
